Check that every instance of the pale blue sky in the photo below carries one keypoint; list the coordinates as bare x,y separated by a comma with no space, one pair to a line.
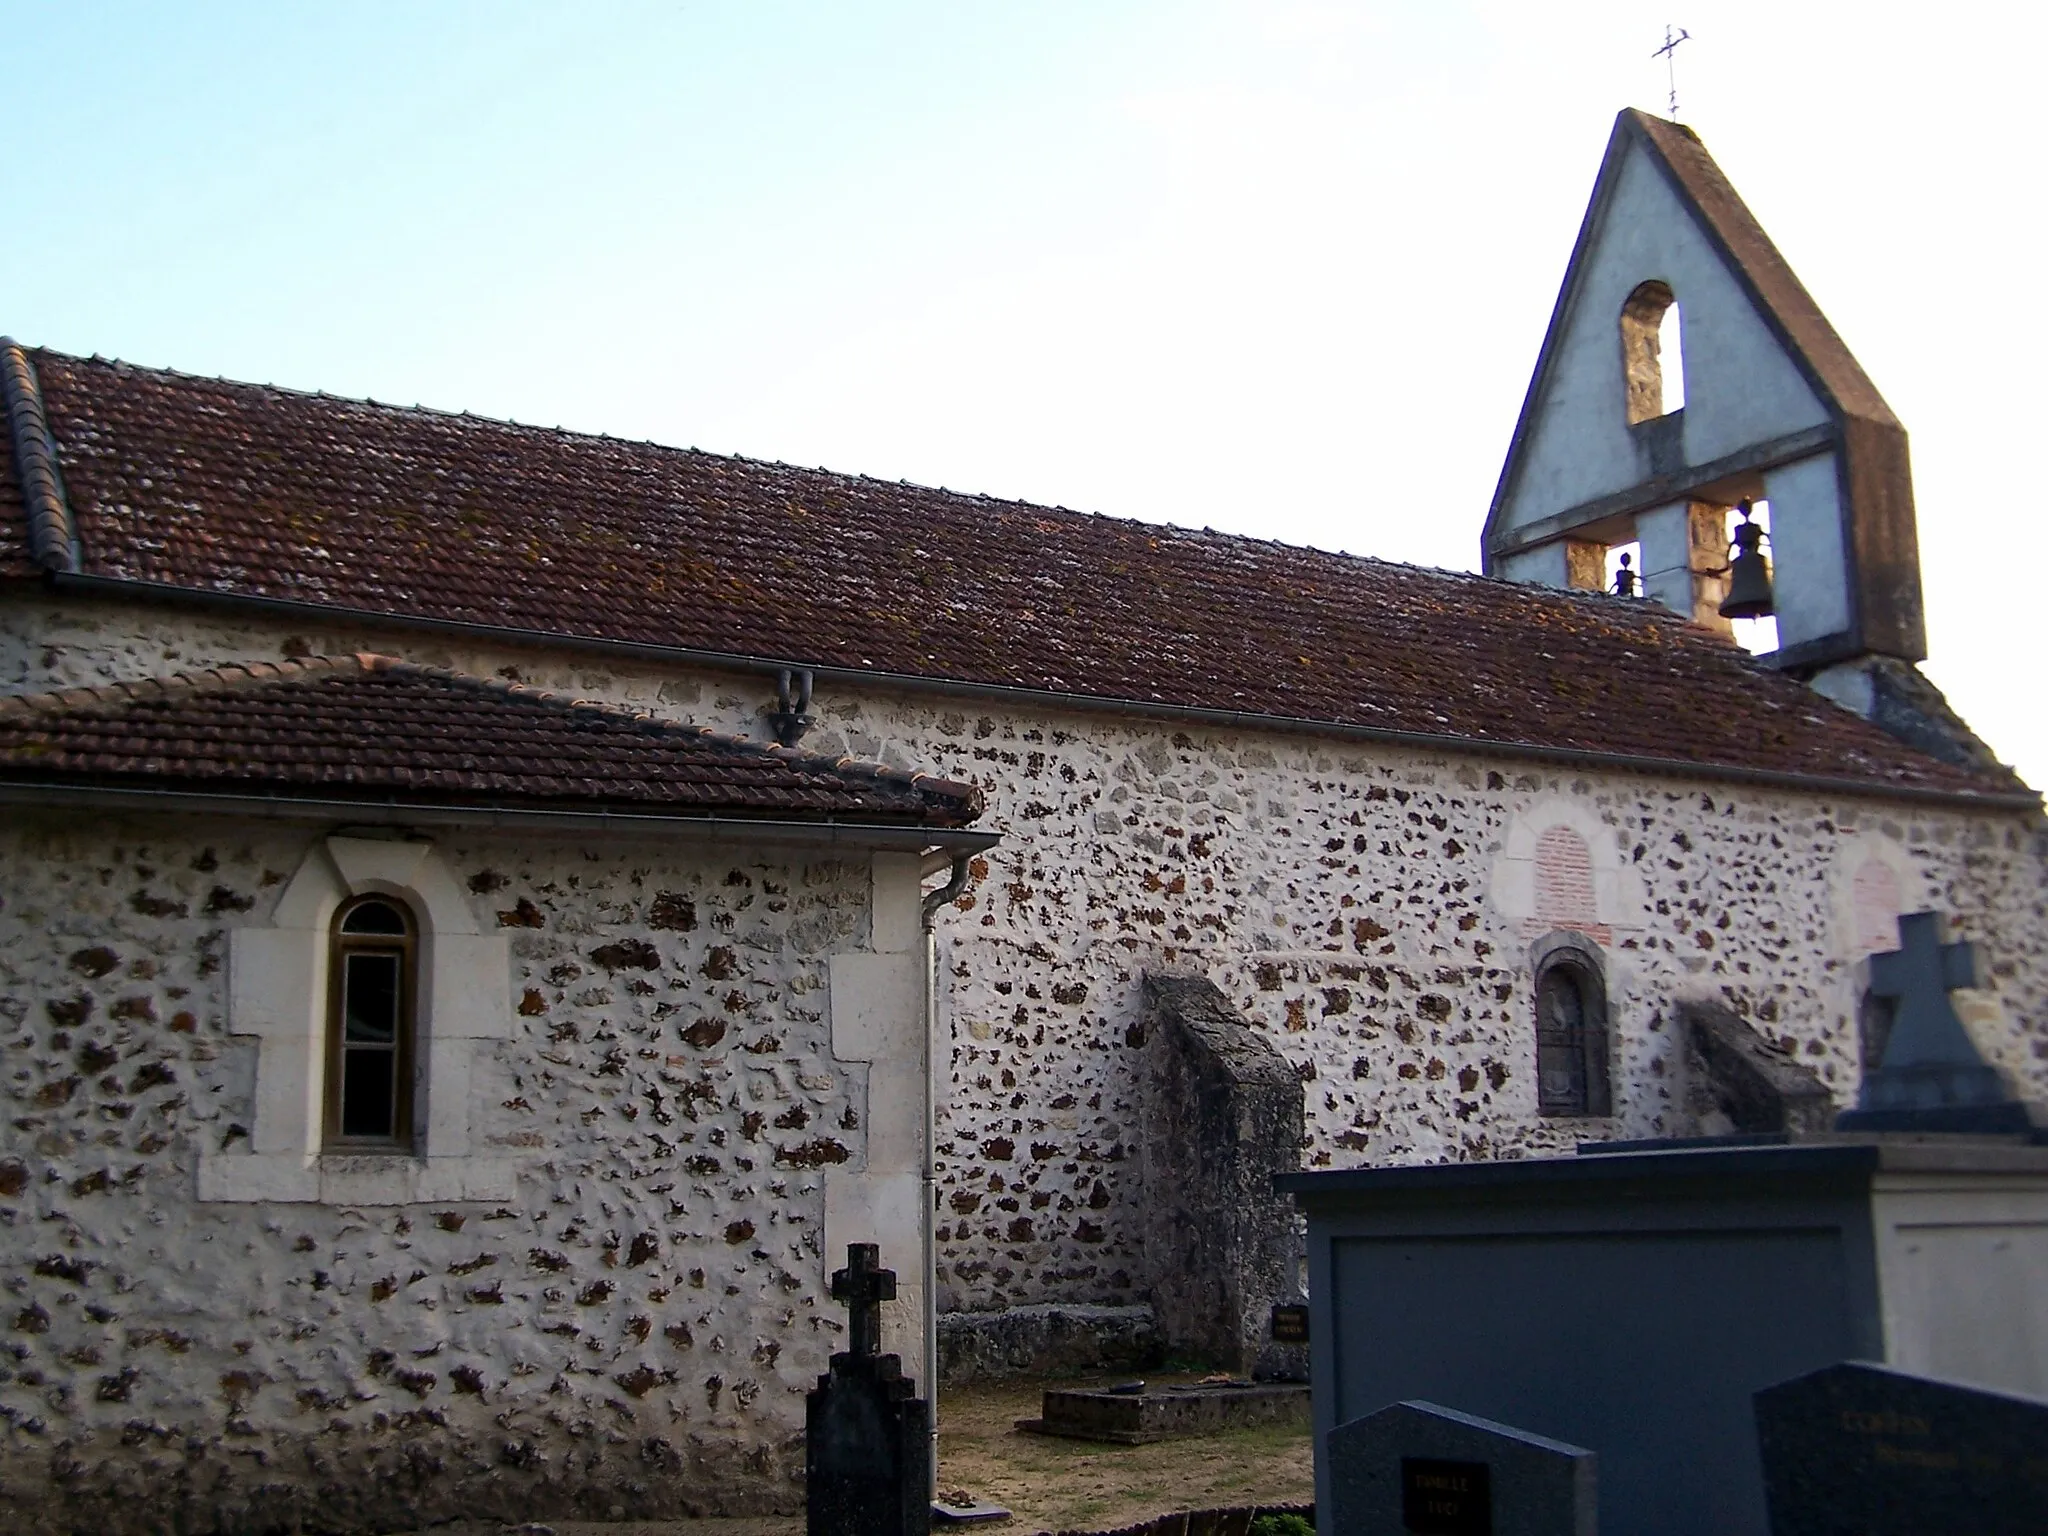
1280,268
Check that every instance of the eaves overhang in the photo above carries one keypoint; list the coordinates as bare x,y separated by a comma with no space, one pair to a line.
592,821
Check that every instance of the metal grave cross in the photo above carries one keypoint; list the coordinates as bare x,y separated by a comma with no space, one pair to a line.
862,1287
1916,978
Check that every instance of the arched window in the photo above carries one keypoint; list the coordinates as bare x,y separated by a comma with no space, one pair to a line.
1571,1034
370,1018
1652,364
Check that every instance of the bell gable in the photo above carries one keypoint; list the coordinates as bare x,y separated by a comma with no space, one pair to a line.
1686,371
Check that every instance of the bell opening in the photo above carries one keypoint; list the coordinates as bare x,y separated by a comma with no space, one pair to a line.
1750,605
1624,568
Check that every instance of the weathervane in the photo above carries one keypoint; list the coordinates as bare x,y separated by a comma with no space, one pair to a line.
1669,54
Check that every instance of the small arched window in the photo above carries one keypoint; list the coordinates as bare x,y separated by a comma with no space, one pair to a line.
374,966
1652,362
1571,1035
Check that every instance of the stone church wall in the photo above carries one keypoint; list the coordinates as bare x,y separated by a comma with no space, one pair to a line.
630,1327
1373,910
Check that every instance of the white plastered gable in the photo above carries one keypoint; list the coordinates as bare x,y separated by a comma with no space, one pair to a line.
277,995
1742,387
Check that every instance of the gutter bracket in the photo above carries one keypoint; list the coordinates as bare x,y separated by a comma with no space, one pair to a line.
792,716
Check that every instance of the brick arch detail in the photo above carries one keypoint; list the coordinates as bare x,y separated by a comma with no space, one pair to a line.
1562,869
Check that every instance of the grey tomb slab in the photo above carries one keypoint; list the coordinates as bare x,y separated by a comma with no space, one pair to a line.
1431,1470
1139,1418
1865,1449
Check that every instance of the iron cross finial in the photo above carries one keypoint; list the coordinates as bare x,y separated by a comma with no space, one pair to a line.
862,1287
1673,36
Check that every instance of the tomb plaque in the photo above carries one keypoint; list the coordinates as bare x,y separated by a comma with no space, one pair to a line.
1878,1452
1290,1325
1445,1498
1431,1471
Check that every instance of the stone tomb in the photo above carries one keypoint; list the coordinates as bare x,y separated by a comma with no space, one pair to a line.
1866,1449
867,1435
1635,1302
1134,1415
1436,1472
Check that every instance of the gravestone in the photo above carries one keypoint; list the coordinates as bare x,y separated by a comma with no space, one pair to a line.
1864,1449
867,1435
1931,1077
1222,1113
1437,1472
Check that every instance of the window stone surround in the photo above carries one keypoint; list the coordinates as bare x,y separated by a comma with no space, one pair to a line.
278,994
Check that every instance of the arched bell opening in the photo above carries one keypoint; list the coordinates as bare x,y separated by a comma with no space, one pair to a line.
1652,353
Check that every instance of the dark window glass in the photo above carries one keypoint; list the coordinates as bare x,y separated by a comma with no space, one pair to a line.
369,1058
1571,1041
374,917
369,1006
369,1093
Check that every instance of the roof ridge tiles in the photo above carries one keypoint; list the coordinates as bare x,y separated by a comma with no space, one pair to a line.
841,475
52,531
229,675
950,789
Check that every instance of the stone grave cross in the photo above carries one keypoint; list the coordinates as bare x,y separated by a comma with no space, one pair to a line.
862,1287
867,1434
1931,1077
1917,978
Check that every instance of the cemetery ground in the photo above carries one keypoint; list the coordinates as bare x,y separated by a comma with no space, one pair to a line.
1048,1484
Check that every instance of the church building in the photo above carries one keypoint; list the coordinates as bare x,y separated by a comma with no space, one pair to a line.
489,914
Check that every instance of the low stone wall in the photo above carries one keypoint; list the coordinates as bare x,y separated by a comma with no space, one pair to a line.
1045,1341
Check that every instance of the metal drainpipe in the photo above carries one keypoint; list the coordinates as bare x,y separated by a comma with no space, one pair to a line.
928,1183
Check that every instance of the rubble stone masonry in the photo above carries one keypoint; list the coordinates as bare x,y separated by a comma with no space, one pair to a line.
1371,909
633,1328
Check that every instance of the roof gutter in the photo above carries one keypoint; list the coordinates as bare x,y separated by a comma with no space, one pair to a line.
958,841
1576,757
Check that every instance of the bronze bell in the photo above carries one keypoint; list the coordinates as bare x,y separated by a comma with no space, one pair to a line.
1749,575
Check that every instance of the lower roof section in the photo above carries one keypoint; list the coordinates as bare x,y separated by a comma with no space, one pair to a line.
376,739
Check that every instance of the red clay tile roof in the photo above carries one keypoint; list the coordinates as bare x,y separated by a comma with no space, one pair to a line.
255,491
375,728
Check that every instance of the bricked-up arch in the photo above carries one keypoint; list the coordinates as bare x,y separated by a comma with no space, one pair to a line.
1572,1033
1561,866
1565,897
1877,902
1876,898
